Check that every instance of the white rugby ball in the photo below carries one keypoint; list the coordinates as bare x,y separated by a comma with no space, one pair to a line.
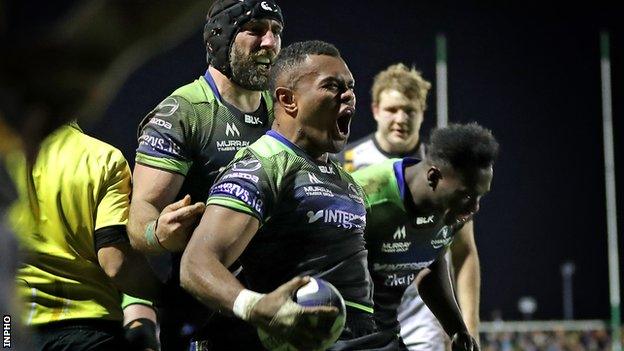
317,292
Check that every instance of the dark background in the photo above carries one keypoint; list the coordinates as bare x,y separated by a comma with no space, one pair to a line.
531,75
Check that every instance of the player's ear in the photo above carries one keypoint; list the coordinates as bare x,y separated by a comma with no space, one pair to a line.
286,98
375,109
433,177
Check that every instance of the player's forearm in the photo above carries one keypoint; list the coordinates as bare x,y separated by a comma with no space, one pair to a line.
205,277
468,277
436,291
136,277
465,259
142,214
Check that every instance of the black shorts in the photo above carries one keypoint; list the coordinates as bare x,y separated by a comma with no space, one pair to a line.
80,334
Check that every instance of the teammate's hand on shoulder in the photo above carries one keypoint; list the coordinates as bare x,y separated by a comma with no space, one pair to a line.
281,317
176,223
462,341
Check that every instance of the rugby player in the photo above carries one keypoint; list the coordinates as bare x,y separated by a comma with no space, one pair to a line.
288,212
193,133
399,100
416,208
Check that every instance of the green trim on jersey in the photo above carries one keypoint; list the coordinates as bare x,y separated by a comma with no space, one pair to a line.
197,92
380,184
230,203
128,300
167,164
268,147
359,307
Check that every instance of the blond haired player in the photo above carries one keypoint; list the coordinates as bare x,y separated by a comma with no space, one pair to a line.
399,100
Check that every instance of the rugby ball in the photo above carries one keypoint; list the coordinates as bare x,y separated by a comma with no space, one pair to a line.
317,292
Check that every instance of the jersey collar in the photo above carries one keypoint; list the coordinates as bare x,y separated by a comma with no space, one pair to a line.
399,172
212,85
292,146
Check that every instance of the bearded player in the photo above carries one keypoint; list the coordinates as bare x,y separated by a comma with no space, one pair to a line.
191,135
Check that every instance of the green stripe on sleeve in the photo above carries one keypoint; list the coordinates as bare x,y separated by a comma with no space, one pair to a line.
131,300
359,306
166,164
234,204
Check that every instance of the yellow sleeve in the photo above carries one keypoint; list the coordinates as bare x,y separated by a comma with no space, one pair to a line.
114,205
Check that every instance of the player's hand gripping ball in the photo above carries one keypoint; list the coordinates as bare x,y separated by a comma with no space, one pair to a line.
317,292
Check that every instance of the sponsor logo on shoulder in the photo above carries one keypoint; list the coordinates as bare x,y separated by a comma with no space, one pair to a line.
167,108
240,193
354,194
252,120
166,146
160,122
239,175
442,238
342,219
246,166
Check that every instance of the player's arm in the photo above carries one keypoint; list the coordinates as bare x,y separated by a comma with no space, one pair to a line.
157,223
163,158
435,288
217,242
465,260
127,268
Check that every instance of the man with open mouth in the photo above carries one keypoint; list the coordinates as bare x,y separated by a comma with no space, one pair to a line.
288,212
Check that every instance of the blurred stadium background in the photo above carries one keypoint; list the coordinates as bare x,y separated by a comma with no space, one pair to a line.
531,74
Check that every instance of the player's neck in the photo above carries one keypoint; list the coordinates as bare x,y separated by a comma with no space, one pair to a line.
416,180
296,136
245,100
387,147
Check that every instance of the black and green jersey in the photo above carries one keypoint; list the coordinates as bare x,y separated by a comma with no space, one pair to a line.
312,217
399,242
194,133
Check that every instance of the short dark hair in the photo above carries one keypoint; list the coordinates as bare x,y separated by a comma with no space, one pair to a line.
292,56
463,146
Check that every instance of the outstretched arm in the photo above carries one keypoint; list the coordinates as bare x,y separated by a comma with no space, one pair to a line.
468,276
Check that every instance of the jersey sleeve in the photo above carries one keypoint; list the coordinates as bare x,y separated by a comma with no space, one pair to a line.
166,136
243,186
114,196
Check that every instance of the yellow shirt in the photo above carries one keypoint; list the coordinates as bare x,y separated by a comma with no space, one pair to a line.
77,185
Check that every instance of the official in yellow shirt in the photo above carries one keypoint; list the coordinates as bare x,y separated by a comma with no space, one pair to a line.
77,256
